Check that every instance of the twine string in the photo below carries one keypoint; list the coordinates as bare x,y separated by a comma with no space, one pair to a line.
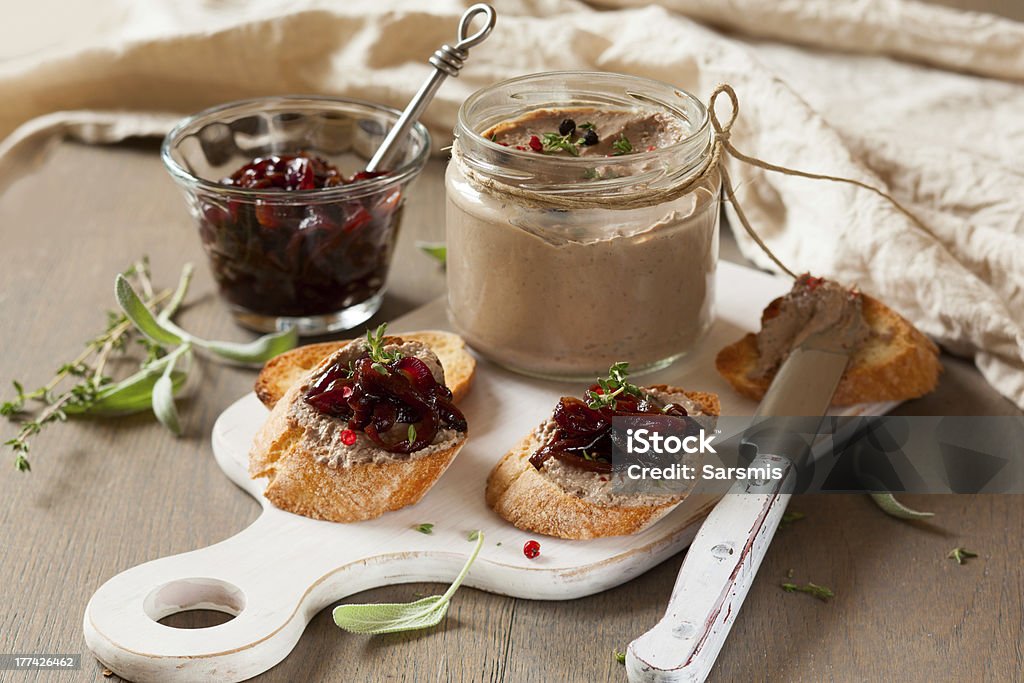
720,146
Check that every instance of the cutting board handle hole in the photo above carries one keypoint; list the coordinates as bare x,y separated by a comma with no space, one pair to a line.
194,595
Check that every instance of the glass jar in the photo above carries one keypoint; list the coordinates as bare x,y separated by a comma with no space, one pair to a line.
314,258
560,265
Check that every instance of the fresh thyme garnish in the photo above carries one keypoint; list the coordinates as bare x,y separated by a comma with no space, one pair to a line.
411,433
378,354
585,126
960,555
622,146
821,592
554,142
147,321
620,657
426,528
473,535
611,387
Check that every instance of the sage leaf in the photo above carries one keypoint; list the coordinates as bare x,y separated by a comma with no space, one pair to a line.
257,351
179,294
393,617
164,331
435,250
133,394
163,393
892,507
140,316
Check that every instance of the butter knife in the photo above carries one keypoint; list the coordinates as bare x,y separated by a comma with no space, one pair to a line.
725,555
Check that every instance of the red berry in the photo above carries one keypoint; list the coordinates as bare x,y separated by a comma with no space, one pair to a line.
535,144
531,549
348,437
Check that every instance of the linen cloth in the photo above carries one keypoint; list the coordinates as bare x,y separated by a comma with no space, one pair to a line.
924,102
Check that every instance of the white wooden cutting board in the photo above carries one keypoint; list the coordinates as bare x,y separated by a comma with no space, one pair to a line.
283,569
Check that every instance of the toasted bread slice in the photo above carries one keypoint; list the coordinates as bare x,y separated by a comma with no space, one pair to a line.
281,372
897,362
517,491
298,483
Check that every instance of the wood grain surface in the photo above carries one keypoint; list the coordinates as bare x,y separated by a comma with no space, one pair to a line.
106,495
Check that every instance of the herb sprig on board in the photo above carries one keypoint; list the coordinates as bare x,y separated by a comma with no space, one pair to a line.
86,386
392,617
820,592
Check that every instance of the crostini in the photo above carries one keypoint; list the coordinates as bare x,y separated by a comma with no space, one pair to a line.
891,360
557,481
368,429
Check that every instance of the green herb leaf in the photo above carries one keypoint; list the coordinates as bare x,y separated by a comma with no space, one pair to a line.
375,343
611,387
435,250
620,657
410,433
163,393
553,142
257,351
820,592
394,617
179,294
140,316
622,146
426,528
131,395
473,535
892,507
790,517
960,555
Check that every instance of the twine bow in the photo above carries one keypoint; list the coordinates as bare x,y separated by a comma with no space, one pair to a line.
720,146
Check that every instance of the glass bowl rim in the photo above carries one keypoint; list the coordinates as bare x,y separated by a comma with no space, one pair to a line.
360,188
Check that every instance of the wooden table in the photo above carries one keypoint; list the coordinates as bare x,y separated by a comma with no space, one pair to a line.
106,495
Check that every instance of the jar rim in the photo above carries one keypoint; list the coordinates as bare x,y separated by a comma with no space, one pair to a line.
700,130
359,188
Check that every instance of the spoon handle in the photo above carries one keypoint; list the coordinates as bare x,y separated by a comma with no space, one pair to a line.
447,61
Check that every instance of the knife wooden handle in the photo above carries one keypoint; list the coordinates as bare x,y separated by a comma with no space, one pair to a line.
713,581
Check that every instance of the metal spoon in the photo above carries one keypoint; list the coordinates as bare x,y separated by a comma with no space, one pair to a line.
447,61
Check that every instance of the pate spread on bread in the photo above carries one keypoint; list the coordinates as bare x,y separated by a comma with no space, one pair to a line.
367,430
890,359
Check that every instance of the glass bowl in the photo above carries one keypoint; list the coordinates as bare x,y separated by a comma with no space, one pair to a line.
316,259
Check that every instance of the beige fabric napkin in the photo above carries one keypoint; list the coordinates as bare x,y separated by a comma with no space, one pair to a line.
923,101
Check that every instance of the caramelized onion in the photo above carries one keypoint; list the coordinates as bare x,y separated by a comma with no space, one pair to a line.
388,402
582,436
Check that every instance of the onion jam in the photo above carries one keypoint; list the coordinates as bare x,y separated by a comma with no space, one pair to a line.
284,255
398,404
582,436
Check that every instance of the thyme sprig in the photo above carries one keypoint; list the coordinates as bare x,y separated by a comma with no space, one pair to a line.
820,592
622,146
611,387
554,142
378,354
145,320
960,555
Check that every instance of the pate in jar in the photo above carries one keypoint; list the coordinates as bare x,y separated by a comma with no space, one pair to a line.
582,226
